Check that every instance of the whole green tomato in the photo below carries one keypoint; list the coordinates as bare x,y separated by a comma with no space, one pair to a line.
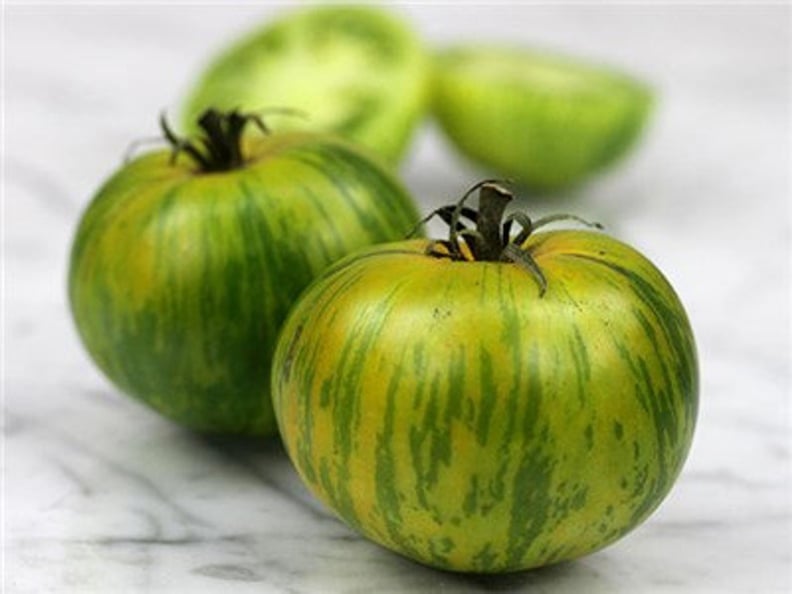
491,402
186,262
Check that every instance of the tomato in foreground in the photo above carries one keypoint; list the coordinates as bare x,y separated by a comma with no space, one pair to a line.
543,120
492,402
182,270
356,71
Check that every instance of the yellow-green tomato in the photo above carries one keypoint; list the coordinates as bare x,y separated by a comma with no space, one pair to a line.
182,271
452,412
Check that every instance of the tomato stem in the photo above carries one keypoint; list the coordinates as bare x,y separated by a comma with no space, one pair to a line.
218,146
491,240
493,200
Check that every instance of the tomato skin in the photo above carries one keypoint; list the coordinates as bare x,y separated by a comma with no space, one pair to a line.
448,412
179,281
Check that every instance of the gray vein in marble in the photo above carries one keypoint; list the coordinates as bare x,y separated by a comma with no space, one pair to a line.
76,446
234,573
83,487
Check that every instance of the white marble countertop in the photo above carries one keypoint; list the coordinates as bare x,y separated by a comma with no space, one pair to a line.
101,495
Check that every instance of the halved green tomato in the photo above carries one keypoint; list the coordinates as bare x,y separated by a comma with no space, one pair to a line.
544,121
355,71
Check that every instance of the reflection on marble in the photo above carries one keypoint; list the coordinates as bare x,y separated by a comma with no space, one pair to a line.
101,495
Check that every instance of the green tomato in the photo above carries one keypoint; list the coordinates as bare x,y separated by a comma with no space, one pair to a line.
183,271
489,413
544,121
355,71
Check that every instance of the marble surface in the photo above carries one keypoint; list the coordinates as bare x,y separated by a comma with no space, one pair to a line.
101,495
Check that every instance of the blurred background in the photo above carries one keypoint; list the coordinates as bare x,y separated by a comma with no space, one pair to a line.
101,495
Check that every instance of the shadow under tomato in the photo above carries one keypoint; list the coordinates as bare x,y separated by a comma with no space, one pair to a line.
242,444
560,573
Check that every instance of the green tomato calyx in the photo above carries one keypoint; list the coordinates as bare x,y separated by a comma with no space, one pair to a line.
491,240
218,145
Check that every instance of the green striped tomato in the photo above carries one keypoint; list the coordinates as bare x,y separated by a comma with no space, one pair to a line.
357,71
454,414
543,120
180,279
